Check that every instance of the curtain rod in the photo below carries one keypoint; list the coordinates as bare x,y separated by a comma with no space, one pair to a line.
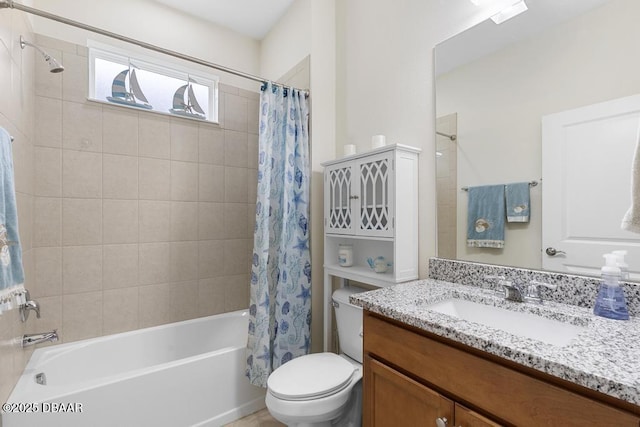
11,4
451,137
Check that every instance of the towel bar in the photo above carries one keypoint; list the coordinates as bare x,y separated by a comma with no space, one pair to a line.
531,184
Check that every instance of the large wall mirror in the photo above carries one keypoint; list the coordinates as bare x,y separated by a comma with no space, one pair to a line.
502,90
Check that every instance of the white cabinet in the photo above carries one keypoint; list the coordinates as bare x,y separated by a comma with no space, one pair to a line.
371,203
358,196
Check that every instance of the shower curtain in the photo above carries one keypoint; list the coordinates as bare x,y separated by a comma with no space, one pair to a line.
280,295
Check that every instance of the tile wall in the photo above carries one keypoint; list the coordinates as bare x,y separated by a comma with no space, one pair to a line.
447,186
16,116
139,218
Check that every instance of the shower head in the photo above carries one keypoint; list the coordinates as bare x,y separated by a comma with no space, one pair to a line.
54,65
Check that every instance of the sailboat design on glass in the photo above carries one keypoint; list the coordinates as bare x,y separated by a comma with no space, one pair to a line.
134,96
188,107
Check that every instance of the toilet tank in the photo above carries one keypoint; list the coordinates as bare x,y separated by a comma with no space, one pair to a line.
349,321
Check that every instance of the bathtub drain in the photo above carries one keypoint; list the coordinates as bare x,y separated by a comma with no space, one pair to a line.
41,378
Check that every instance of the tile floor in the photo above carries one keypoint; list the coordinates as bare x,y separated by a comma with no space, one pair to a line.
258,419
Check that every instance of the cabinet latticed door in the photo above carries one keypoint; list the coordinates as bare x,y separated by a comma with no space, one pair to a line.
360,197
375,213
339,215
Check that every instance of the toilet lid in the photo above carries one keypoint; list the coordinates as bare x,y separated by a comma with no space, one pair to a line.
310,376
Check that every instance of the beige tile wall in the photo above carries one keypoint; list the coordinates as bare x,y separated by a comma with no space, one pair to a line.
447,186
139,219
17,116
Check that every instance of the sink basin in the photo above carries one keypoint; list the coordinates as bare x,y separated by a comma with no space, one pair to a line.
514,322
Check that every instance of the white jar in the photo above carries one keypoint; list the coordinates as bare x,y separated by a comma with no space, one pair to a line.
345,255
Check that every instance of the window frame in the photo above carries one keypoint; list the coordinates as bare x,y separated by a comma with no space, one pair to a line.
155,65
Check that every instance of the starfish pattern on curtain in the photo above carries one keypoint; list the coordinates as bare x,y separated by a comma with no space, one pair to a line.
280,293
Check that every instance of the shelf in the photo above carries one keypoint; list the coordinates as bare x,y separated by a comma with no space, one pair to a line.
379,219
359,237
363,274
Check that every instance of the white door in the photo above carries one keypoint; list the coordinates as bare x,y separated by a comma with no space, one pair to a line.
374,190
587,156
339,217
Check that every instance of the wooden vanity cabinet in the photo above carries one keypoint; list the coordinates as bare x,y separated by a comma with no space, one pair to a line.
397,400
413,378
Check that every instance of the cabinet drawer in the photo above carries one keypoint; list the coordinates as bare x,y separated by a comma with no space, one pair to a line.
509,395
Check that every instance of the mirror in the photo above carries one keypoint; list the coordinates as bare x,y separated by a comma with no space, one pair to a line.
495,83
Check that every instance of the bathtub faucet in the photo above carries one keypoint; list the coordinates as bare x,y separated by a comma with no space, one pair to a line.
27,306
33,339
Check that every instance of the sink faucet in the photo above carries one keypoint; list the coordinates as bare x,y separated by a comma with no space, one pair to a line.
33,339
519,293
512,292
533,290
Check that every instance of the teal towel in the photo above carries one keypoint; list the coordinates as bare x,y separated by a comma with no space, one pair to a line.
485,217
11,270
517,201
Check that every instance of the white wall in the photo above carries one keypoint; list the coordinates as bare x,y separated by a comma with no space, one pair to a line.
386,82
156,24
288,42
501,98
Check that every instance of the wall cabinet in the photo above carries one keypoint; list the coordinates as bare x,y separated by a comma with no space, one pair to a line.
371,203
371,206
360,200
412,377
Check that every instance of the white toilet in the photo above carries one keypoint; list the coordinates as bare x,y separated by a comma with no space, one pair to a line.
323,389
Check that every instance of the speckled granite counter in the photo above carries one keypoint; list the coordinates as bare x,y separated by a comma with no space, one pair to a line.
605,357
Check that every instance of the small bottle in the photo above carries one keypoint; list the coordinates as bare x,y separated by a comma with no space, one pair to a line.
610,301
622,265
345,255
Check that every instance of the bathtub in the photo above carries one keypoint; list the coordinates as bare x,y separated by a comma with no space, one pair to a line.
187,373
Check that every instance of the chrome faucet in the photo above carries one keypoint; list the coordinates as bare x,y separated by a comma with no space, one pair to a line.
512,292
27,306
33,339
533,290
520,293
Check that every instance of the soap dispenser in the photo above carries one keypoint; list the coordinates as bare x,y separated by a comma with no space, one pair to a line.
610,301
622,265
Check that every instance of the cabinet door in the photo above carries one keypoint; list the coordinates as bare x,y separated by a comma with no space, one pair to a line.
375,192
393,399
339,218
467,418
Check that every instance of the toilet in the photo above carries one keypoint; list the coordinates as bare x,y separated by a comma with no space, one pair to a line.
323,389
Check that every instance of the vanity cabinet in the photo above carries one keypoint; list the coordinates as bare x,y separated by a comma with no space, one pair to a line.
397,400
412,377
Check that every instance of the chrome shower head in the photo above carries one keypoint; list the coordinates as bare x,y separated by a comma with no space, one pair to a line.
54,65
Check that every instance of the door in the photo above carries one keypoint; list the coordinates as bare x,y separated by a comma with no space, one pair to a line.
339,217
587,158
393,399
375,194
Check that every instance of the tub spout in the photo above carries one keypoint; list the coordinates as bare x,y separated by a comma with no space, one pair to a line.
33,339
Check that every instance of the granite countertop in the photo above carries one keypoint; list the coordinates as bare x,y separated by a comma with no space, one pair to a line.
604,357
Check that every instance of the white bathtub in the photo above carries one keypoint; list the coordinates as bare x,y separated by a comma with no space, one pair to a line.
188,373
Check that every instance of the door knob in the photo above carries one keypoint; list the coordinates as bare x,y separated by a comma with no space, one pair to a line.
553,252
441,422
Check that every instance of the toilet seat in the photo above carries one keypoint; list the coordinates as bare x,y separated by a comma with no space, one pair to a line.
311,377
